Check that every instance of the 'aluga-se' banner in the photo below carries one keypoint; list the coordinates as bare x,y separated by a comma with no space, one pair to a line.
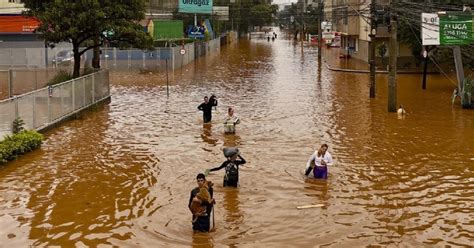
195,6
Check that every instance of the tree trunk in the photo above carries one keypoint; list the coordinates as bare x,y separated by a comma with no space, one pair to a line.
96,57
77,61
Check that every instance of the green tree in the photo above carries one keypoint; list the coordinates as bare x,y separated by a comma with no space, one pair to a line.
249,13
261,15
87,24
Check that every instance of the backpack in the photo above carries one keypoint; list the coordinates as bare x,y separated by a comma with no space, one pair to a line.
231,172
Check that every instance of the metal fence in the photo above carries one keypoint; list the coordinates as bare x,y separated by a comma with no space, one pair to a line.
111,58
22,80
46,106
31,57
134,59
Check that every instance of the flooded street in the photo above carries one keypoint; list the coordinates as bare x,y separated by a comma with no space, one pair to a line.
122,175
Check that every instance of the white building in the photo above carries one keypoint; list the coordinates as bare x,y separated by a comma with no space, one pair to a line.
11,7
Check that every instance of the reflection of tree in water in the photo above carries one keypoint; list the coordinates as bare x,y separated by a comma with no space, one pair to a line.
206,134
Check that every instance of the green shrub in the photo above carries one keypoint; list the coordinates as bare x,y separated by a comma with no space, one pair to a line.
62,76
17,144
18,125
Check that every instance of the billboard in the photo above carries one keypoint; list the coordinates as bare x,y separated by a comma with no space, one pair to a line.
167,29
195,6
221,12
456,29
449,29
17,24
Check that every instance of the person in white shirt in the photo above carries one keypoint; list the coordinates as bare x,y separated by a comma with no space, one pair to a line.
230,121
319,162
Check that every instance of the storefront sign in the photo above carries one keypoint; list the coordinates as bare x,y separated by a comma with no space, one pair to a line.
17,24
195,6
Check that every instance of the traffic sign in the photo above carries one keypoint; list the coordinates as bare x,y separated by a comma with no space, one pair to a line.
182,51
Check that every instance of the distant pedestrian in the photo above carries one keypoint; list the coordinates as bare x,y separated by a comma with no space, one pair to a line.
268,38
401,111
206,108
213,101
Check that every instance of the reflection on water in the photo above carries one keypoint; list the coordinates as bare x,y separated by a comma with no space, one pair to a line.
206,134
122,175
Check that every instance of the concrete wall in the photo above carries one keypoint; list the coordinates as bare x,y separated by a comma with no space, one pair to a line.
363,51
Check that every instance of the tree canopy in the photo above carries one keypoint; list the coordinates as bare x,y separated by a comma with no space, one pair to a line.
249,13
79,22
262,14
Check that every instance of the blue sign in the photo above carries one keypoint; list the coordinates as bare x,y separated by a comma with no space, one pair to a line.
195,6
196,32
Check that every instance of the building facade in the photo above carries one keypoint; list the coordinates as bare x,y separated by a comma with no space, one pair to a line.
11,7
352,19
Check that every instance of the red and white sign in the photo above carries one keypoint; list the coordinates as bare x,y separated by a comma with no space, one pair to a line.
17,24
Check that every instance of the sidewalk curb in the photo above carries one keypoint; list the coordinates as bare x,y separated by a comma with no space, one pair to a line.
378,72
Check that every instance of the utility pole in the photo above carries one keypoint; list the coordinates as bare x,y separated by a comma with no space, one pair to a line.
320,31
425,68
302,16
392,77
373,28
459,67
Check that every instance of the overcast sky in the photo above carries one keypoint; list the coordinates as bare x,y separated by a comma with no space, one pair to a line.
283,1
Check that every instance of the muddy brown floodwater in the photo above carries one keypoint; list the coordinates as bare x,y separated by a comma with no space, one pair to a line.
122,175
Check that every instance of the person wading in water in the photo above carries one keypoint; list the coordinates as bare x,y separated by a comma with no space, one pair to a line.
230,121
231,165
206,108
201,221
319,162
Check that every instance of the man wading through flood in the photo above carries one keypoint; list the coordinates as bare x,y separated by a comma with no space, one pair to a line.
202,212
206,108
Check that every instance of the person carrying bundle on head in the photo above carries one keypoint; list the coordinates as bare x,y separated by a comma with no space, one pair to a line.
231,165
